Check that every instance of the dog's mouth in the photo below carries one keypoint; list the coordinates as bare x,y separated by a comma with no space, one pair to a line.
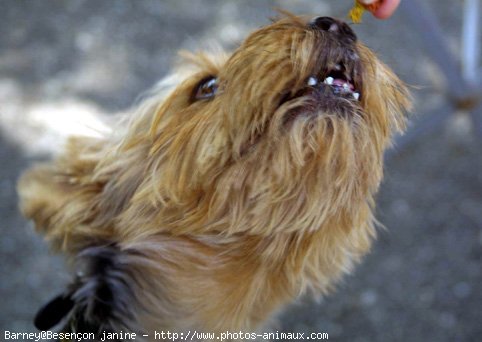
335,89
339,81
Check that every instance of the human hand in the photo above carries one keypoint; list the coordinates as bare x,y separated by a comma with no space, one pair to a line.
385,9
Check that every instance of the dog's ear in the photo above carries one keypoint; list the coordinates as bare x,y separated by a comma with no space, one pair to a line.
60,196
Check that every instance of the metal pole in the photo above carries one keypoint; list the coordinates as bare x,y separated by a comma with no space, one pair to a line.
470,46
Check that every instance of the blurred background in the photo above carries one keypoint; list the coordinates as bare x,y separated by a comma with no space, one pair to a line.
64,63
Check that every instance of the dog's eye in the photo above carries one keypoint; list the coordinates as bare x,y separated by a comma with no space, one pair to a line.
206,89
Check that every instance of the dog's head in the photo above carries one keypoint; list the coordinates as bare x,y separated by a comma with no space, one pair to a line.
293,124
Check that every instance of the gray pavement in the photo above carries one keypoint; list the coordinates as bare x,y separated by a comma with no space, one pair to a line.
63,59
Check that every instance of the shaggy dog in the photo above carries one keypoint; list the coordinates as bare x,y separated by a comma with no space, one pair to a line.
251,182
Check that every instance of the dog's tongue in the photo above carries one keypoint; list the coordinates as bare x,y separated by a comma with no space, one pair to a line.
338,82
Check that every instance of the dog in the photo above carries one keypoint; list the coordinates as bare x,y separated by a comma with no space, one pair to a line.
223,199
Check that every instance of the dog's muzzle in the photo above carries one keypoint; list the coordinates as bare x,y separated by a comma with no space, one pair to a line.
341,79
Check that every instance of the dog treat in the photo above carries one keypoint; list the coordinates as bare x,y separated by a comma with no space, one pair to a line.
360,6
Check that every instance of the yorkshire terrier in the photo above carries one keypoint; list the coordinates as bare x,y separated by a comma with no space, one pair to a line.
250,182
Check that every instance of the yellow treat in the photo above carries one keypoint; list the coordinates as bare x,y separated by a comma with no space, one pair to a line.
358,8
356,12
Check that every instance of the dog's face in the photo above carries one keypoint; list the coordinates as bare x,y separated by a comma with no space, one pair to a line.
292,125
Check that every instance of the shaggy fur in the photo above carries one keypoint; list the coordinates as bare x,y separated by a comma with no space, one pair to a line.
224,209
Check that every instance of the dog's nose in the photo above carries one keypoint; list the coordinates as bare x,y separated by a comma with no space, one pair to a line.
334,26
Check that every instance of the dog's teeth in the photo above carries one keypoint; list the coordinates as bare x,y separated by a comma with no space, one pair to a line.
329,80
337,67
356,96
312,81
346,87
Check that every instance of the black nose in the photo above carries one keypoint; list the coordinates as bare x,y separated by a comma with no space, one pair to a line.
334,26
